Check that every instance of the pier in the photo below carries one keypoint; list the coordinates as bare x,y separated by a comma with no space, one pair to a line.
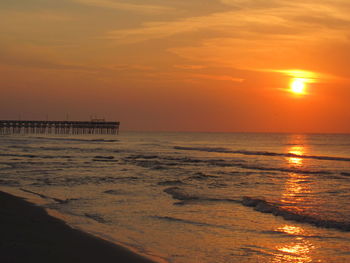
59,127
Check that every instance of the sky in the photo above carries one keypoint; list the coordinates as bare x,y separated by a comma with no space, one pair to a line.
165,65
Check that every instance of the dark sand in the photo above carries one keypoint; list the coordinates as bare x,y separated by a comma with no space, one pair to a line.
29,234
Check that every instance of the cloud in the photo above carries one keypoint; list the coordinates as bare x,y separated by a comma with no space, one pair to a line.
295,19
292,55
230,22
190,66
249,35
47,58
125,6
241,27
42,15
127,67
37,57
216,77
256,35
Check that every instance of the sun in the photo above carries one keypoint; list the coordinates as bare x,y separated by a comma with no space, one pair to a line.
298,85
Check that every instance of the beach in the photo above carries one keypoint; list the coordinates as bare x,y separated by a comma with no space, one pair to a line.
29,234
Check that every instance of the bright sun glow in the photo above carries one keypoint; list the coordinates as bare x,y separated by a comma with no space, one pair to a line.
297,85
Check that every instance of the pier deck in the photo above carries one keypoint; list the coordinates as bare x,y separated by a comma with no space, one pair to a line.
58,127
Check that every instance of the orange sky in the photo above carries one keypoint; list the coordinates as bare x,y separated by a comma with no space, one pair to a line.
199,65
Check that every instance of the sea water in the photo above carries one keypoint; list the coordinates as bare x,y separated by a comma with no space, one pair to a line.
193,197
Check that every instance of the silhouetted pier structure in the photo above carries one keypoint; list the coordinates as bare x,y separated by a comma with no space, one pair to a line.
59,127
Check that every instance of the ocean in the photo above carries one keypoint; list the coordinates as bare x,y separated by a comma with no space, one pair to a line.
193,197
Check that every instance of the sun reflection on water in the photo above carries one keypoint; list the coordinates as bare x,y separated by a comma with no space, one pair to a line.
296,251
297,186
297,150
294,197
291,230
296,190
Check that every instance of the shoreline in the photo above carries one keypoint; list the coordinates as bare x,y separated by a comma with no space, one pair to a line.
30,234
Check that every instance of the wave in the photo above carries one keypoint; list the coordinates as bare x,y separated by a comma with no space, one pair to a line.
76,139
42,148
57,200
84,150
280,169
104,157
201,176
256,250
157,162
45,148
7,166
186,221
174,182
142,156
244,165
96,217
147,161
262,153
115,192
299,235
81,180
263,206
35,156
99,158
9,182
104,160
180,194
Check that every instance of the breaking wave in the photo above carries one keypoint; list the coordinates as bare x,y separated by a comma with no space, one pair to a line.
57,200
263,206
157,162
181,194
186,221
263,153
96,217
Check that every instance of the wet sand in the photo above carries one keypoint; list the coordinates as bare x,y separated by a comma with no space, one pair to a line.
29,234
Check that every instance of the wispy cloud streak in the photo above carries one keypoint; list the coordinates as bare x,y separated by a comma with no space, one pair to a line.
125,6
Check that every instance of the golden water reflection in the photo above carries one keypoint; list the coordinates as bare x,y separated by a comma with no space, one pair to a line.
298,150
296,190
296,251
294,196
291,230
297,187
